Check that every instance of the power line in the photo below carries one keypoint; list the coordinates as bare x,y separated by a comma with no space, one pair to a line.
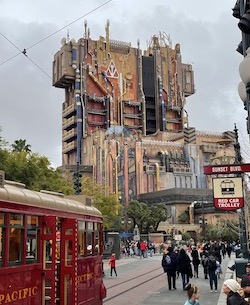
98,7
11,43
95,9
24,52
39,67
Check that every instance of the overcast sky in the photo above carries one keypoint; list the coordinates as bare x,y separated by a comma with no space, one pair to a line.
30,108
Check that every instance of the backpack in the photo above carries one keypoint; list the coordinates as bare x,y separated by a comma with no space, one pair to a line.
168,259
212,263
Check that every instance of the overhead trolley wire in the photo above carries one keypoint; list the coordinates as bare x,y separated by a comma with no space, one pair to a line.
24,51
95,9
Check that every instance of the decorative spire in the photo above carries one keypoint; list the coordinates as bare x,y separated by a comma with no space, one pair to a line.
238,157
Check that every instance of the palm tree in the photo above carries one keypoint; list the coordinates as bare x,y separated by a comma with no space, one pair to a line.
20,145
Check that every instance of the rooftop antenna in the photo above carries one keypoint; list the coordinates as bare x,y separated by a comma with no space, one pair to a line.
68,35
85,29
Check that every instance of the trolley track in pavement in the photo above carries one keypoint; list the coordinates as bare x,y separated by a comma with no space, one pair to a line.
131,283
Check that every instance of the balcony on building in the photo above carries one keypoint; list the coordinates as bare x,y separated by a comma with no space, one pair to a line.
69,147
69,110
69,123
69,135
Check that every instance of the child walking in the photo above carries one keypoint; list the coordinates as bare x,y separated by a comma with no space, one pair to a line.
112,263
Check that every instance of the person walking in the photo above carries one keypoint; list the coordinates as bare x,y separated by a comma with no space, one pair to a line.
193,294
184,267
229,249
195,261
231,288
169,264
112,263
204,258
211,268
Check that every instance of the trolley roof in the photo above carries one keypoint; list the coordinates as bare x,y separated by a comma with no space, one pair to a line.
16,192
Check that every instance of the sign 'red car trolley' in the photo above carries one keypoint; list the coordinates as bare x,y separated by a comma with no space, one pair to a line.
228,193
50,249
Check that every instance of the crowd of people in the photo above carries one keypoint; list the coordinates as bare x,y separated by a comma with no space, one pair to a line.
184,262
141,248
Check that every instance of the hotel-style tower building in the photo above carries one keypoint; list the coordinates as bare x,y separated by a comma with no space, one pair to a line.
123,116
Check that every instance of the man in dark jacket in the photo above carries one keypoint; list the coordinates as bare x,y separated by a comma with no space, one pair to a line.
169,265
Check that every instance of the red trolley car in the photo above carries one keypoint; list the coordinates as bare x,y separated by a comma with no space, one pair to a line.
50,249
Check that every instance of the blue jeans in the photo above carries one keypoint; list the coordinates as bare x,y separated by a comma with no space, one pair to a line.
185,279
212,279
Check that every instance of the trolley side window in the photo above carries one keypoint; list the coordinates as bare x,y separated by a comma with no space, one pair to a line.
97,238
16,230
90,238
81,237
31,238
2,223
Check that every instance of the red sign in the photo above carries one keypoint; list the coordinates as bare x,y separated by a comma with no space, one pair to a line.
226,169
228,204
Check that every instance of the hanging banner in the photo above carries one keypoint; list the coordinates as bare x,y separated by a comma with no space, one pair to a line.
228,193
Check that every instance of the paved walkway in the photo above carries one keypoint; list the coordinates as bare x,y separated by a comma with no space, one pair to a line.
203,285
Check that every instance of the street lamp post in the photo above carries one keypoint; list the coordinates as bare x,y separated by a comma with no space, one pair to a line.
244,92
202,220
203,223
244,86
126,221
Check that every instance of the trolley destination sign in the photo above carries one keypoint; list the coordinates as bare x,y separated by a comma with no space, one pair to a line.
226,169
228,193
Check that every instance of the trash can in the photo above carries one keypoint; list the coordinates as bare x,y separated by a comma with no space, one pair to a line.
238,253
240,266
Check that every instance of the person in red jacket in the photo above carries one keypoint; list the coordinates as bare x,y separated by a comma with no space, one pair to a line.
143,248
112,263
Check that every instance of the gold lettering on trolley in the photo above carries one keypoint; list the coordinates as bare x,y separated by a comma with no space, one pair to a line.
83,278
18,295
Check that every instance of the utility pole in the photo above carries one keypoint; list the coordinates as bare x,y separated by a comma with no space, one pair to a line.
243,235
77,180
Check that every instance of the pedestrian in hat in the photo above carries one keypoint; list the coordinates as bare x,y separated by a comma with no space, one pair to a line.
245,284
231,288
